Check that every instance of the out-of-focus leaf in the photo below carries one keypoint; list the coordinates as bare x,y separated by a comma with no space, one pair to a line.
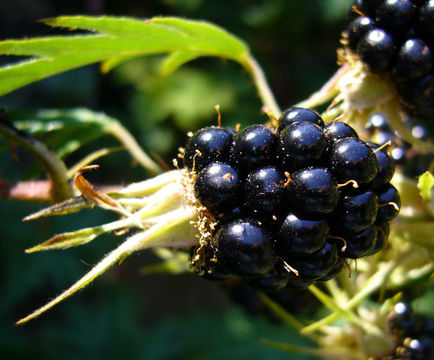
117,39
68,130
425,184
175,60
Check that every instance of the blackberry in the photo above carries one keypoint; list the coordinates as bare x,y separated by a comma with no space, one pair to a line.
244,248
376,49
335,270
389,203
206,146
357,29
210,270
414,60
315,265
412,333
297,114
395,40
425,20
386,167
254,147
302,236
339,130
274,280
278,209
301,144
217,186
394,15
357,212
313,191
264,191
383,230
359,244
353,159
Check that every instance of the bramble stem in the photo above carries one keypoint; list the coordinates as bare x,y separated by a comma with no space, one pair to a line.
262,86
53,165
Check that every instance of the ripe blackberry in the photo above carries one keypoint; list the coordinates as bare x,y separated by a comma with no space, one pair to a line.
274,280
264,191
302,144
276,209
301,236
357,29
425,20
376,49
335,270
315,265
244,248
414,60
254,147
383,230
211,269
412,333
297,114
357,212
394,15
339,130
359,244
386,167
313,191
217,186
395,40
353,159
206,146
389,203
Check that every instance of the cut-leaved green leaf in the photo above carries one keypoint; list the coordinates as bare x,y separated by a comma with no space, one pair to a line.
113,40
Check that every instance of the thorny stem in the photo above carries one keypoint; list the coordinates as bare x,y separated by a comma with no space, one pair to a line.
262,86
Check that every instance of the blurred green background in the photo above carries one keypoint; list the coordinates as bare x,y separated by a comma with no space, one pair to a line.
124,314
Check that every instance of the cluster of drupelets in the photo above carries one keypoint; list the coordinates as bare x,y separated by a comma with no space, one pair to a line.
285,206
395,40
412,334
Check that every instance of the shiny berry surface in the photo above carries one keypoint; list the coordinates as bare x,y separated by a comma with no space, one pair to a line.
244,248
376,49
386,167
414,60
315,265
357,212
335,270
389,203
254,147
206,146
274,280
297,114
353,159
217,186
264,190
339,130
395,15
357,29
302,144
297,235
383,230
359,244
313,191
425,19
